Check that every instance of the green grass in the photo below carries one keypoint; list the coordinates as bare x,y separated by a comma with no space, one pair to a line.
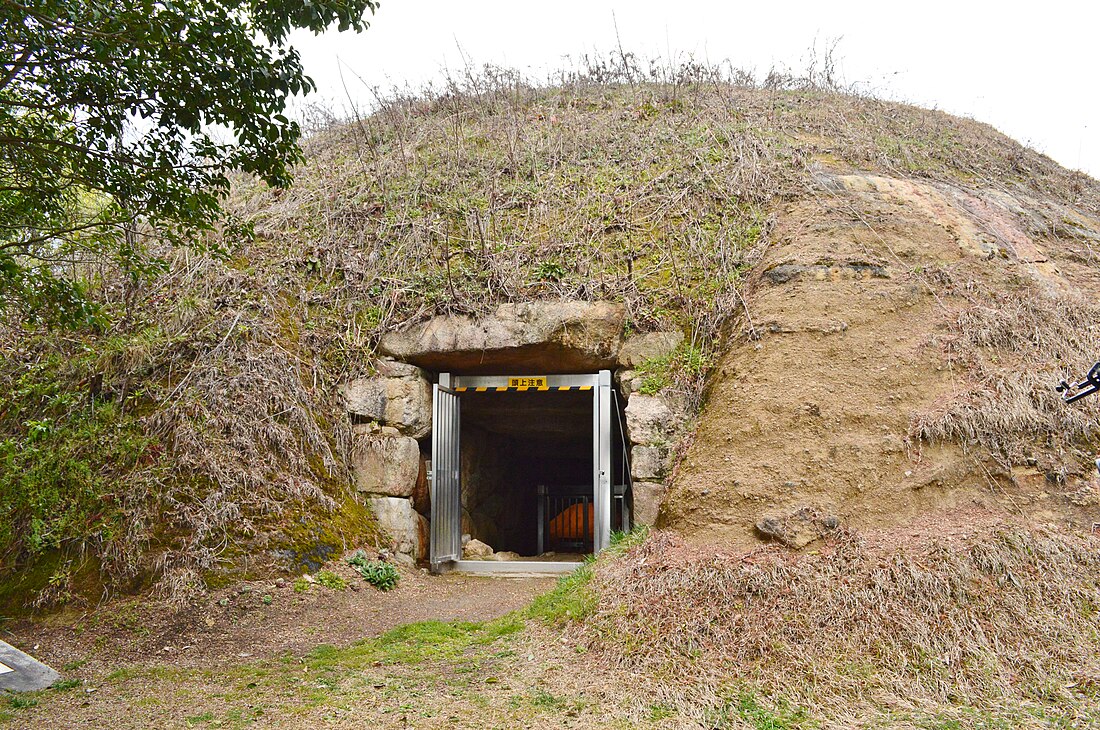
546,701
659,711
416,642
122,674
573,597
746,708
125,674
1001,718
22,702
330,580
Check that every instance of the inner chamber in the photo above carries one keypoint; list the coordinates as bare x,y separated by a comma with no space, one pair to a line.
514,442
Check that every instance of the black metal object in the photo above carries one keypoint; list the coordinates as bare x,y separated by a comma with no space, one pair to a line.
624,491
1076,391
557,500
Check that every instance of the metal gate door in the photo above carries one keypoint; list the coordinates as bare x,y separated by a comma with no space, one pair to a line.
446,538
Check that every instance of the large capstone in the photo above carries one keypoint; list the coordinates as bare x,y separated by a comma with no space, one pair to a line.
567,336
400,522
400,396
388,465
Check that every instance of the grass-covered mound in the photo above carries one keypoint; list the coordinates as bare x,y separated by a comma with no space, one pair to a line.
192,427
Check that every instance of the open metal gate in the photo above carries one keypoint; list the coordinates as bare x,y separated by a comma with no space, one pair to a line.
446,526
446,523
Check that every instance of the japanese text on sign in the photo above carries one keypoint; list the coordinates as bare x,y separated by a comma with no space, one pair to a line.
539,382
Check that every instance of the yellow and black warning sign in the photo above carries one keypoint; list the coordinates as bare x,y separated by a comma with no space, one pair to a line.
521,383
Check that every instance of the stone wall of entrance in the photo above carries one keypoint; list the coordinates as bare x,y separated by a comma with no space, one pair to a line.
391,409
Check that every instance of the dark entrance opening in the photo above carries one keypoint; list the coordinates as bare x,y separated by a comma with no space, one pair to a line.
527,461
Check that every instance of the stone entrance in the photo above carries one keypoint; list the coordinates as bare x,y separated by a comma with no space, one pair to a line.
391,416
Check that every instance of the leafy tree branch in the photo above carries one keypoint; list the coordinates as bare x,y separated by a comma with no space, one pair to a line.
115,115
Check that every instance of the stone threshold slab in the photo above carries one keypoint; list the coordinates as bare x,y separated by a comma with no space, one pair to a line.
513,568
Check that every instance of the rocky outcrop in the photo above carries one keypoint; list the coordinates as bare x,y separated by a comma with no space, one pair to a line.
650,346
567,336
401,524
400,396
386,465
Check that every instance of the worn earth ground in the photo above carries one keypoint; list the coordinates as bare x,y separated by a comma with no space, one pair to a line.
139,663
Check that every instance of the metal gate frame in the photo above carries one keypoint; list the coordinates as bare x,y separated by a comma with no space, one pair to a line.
446,525
446,485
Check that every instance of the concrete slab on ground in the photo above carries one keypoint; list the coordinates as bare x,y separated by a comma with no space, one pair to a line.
20,672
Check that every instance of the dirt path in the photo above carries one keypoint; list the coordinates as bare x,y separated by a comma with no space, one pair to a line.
259,619
248,657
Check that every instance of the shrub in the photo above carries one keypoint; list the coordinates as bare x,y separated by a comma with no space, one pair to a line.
684,368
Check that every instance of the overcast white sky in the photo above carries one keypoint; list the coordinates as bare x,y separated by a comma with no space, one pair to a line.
1030,69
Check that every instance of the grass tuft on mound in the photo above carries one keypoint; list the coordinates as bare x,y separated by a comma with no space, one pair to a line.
1003,622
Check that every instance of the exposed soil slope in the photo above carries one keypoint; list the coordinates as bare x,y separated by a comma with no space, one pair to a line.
872,381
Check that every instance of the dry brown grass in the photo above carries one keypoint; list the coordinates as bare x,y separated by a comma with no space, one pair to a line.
992,619
1014,347
652,185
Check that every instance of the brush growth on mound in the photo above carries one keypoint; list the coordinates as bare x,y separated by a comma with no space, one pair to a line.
199,422
999,620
